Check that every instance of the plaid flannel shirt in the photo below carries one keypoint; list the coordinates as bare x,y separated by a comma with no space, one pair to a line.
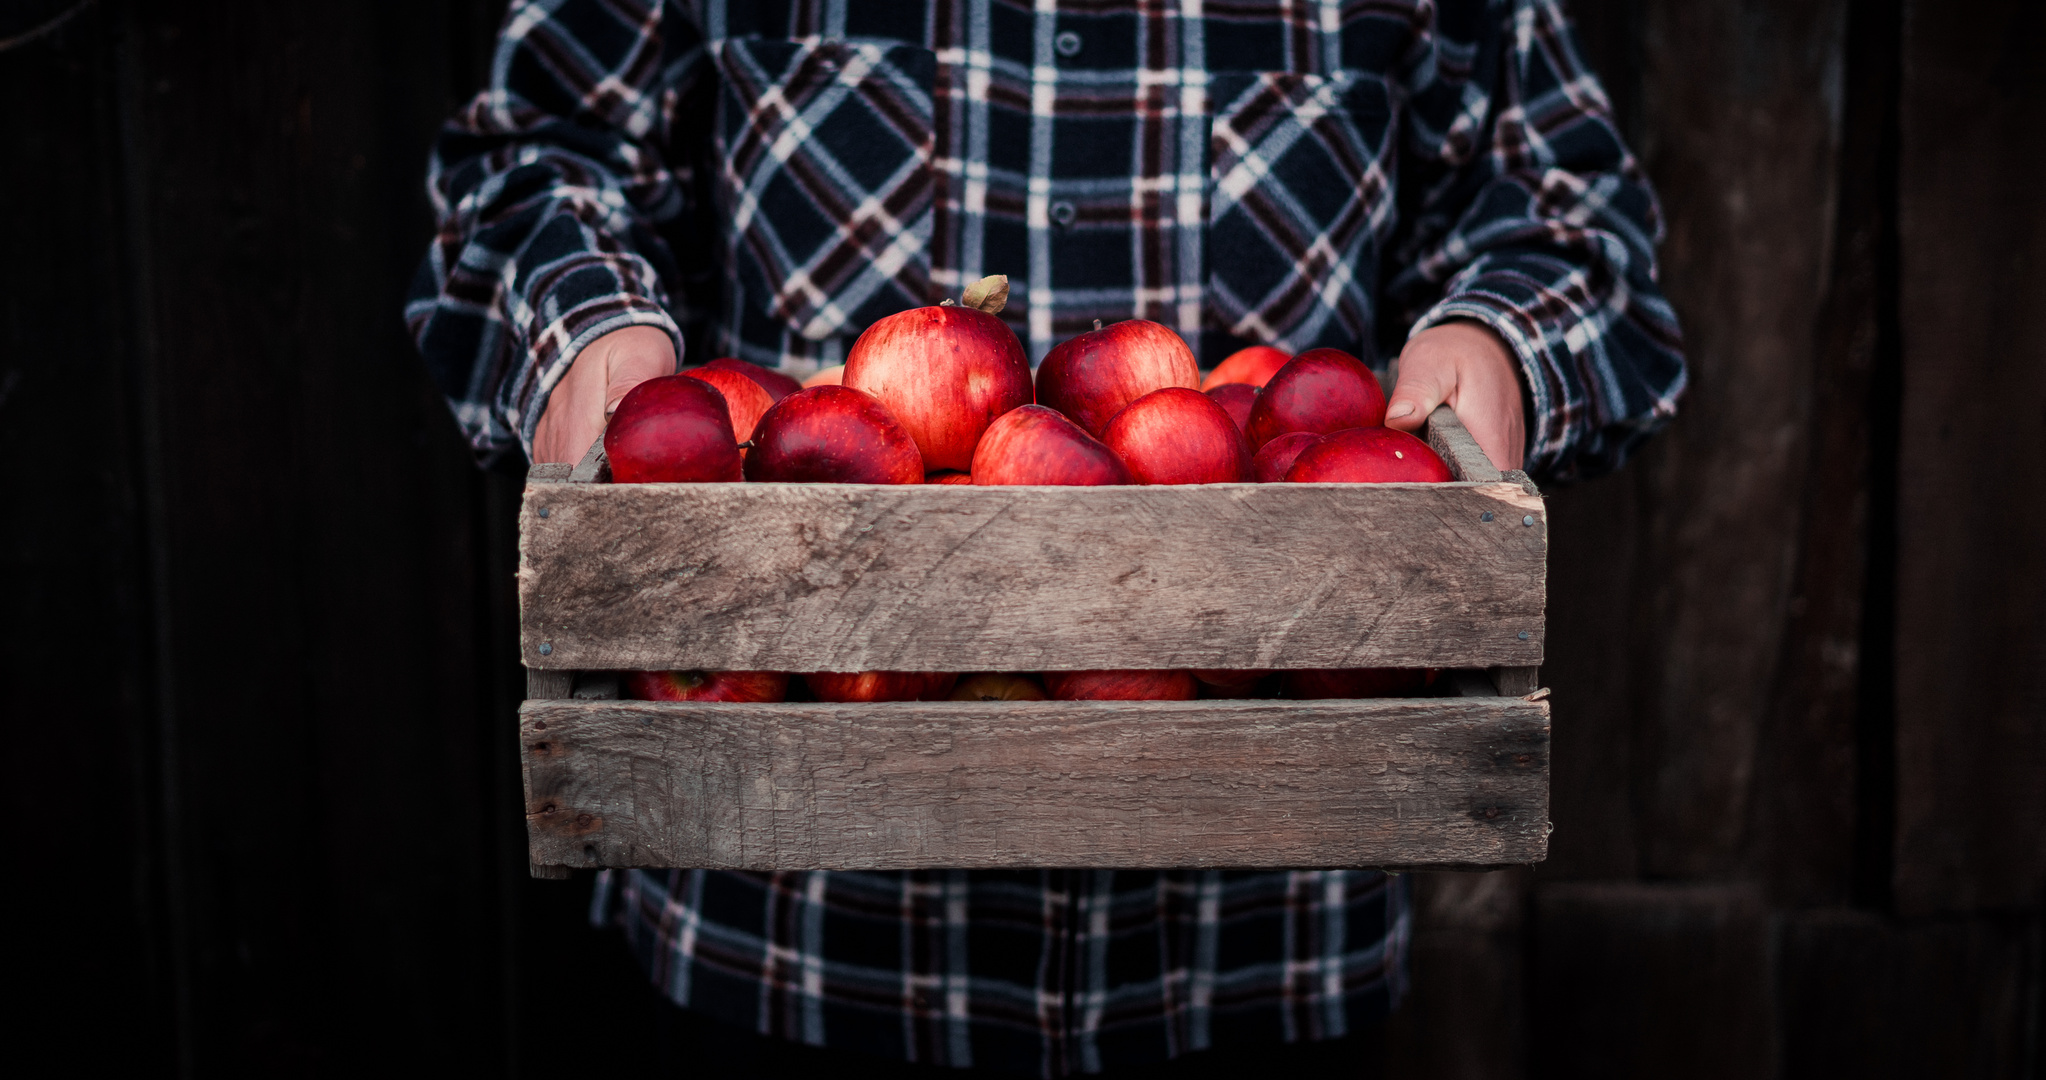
765,180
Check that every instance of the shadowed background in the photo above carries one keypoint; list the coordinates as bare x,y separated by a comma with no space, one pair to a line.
257,605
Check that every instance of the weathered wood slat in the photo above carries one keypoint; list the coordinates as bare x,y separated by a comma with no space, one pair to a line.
832,577
548,686
1431,782
594,468
1516,681
1466,459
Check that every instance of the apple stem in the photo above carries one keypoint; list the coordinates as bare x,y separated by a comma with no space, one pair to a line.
1097,324
947,302
747,445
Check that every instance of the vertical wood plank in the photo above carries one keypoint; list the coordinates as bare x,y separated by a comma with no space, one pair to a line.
1633,980
1878,998
1821,802
1748,233
1466,1018
1454,444
1971,584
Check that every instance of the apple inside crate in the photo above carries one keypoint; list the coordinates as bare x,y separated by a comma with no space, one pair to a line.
846,577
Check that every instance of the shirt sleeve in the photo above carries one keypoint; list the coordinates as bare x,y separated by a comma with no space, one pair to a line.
1530,216
548,191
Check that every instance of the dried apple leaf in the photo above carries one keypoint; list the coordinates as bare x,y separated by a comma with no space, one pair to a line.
989,294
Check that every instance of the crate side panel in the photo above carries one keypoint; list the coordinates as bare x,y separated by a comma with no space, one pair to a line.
1433,782
789,577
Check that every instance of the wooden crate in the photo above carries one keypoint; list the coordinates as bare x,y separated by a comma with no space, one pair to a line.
830,577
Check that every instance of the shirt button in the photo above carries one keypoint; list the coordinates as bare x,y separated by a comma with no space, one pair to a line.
1067,43
1063,213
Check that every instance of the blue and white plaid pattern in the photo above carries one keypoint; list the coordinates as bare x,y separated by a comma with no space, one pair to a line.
1039,972
826,148
767,179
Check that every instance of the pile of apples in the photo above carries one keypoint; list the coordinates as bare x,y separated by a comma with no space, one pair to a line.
944,395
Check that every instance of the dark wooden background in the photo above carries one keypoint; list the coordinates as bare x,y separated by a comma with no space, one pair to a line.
256,604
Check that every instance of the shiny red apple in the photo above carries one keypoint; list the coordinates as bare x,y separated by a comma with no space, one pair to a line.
831,376
1319,391
1236,399
945,373
1091,377
777,385
997,686
1034,445
880,685
1178,436
1254,366
707,685
1316,683
1373,455
673,429
832,435
745,399
1269,464
1120,685
948,477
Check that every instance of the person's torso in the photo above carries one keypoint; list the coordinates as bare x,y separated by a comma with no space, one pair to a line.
1227,170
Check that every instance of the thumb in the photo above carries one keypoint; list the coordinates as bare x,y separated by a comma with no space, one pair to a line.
637,354
1426,380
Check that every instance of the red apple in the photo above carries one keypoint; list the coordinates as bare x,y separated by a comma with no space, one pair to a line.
1236,399
945,373
777,385
743,397
1178,436
1319,391
707,685
673,430
880,685
1372,455
831,376
1270,463
1091,377
1034,445
832,435
997,686
948,478
1316,683
1119,685
1254,366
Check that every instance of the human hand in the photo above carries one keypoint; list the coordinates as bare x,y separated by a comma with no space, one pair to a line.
1466,366
585,397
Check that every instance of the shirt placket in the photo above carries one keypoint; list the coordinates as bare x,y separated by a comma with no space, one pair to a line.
1044,78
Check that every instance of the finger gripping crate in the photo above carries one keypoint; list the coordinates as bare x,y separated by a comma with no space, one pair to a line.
842,577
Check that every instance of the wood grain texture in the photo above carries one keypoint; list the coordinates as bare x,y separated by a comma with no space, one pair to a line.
549,685
1744,264
1466,460
1465,1017
594,468
1516,681
550,470
1430,782
837,577
1971,508
1631,979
